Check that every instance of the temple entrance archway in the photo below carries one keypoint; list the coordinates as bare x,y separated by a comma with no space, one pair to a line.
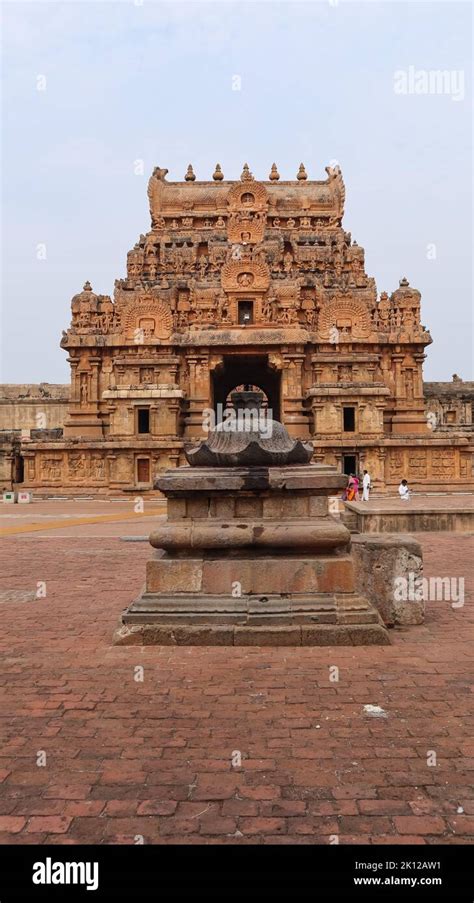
247,370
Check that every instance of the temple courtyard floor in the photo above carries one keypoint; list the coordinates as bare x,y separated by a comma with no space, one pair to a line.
110,744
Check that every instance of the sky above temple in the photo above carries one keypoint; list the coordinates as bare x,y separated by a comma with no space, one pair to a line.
96,94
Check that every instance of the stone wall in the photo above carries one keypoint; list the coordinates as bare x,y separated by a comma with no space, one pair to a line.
33,406
114,461
381,559
449,406
28,412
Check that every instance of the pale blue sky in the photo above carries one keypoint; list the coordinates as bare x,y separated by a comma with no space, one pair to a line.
127,81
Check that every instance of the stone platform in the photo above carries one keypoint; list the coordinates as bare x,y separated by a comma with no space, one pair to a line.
423,513
250,556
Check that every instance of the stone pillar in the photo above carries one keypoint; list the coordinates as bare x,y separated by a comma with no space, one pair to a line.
294,414
94,379
409,416
199,394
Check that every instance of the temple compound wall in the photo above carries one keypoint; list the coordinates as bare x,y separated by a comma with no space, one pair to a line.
28,412
248,283
450,405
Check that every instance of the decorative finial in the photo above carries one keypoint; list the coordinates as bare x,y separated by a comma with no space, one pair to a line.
301,174
218,174
274,174
190,177
404,282
87,286
246,174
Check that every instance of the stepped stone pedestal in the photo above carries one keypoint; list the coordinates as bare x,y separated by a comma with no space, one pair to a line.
249,555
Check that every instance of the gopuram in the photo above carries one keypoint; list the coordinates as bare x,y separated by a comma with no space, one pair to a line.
249,554
239,283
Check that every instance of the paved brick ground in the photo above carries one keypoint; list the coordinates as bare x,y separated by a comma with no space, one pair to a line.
126,758
68,517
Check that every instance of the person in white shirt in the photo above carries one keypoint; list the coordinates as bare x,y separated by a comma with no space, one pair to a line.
365,486
404,491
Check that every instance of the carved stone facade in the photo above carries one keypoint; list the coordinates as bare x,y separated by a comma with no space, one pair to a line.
246,282
450,406
28,413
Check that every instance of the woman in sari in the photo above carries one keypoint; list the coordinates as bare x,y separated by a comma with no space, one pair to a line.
352,490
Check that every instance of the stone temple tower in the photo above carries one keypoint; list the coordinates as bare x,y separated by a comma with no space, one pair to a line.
238,283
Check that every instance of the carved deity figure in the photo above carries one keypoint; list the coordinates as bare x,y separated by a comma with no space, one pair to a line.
106,315
133,267
288,315
97,468
51,468
409,384
382,312
146,375
345,374
408,318
222,308
245,279
84,389
77,465
85,315
287,262
268,309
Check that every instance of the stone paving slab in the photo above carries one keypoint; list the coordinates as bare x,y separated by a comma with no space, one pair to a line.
219,745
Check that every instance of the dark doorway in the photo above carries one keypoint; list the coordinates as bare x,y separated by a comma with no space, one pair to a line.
247,369
348,420
18,469
349,464
143,420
